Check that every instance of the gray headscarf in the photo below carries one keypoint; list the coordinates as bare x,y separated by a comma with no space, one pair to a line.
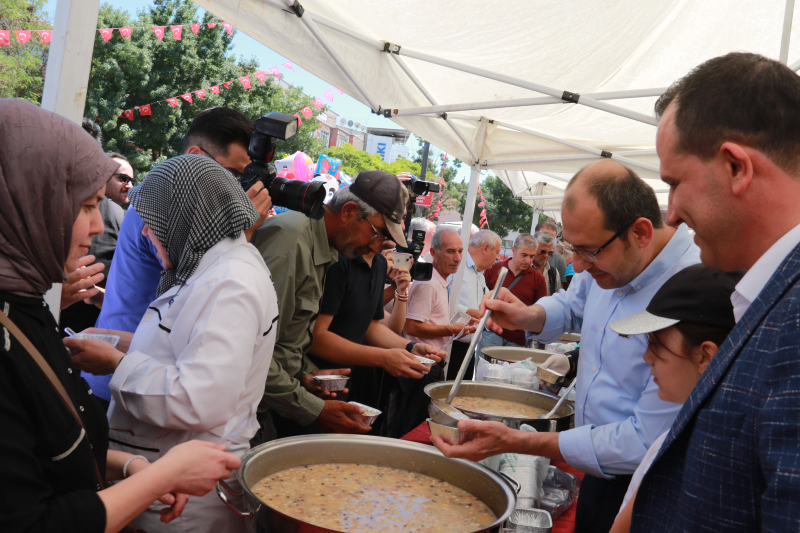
191,203
49,166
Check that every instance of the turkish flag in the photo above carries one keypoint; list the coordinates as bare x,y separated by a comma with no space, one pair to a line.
128,114
318,103
159,31
227,84
289,66
144,110
187,97
23,36
306,111
106,33
214,89
339,91
173,101
481,204
201,93
5,37
211,24
195,27
260,75
299,120
274,71
125,32
329,95
176,32
45,35
228,27
245,81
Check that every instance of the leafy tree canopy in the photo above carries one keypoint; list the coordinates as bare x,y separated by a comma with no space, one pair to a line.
22,65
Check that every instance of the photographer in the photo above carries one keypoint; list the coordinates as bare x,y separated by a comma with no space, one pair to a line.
299,251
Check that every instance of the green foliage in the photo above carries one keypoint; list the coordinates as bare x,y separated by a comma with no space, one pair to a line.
130,72
504,212
354,161
22,65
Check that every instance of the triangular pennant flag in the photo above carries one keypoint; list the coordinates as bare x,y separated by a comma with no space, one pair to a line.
128,114
214,89
275,72
187,97
177,31
173,101
318,103
45,35
126,32
159,31
306,111
211,24
260,75
201,93
483,213
106,33
329,95
484,224
195,27
228,27
339,91
227,84
288,65
438,205
144,110
23,36
245,81
299,120
481,204
5,37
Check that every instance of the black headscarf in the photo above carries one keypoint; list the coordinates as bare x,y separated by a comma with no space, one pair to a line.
191,203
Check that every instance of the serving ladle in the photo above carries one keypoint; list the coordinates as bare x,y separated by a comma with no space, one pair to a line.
560,400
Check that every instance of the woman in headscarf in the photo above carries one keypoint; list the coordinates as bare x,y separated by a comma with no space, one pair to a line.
198,362
54,449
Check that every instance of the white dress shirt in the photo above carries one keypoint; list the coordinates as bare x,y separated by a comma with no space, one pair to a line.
473,287
199,357
749,287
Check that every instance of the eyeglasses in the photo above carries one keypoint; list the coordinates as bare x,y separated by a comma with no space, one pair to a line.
545,252
124,178
591,257
653,343
378,234
236,173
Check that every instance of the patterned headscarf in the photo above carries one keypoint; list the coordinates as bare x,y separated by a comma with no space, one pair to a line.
191,203
49,167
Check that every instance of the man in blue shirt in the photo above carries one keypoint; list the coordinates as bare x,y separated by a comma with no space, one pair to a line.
219,133
623,253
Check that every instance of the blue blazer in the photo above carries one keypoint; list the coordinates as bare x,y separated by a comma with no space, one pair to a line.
731,461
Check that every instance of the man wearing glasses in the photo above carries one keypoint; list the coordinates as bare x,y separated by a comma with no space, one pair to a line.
623,253
541,261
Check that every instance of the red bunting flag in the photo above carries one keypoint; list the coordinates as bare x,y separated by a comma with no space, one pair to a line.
45,35
173,101
481,204
23,36
484,224
176,32
289,66
260,75
126,32
187,97
5,37
329,95
339,91
214,89
211,24
144,110
299,120
275,72
318,103
438,205
483,213
159,31
245,81
306,111
227,84
128,114
228,27
106,33
195,27
201,93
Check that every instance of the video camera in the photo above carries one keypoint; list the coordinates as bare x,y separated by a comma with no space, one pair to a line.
296,195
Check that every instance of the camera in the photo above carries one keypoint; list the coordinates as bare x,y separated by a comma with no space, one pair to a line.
419,271
418,187
296,195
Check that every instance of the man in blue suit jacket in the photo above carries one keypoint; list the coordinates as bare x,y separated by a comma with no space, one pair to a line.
728,144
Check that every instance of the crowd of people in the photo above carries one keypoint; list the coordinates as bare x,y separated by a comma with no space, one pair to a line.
687,373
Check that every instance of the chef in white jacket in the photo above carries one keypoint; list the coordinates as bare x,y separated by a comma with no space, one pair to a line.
199,359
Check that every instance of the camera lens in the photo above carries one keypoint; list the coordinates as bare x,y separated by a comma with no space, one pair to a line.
296,195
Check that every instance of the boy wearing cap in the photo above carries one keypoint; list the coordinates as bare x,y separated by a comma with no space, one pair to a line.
685,323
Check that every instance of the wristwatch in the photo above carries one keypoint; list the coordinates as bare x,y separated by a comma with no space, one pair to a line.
410,346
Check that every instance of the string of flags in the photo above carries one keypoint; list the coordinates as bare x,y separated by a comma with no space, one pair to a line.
24,36
482,222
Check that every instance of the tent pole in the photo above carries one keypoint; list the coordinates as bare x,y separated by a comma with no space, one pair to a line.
795,66
430,99
524,102
572,157
308,21
787,31
589,102
578,146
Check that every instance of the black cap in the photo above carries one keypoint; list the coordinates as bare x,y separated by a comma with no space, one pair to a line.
384,193
696,295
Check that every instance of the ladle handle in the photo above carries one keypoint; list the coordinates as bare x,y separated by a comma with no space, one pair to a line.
561,400
501,277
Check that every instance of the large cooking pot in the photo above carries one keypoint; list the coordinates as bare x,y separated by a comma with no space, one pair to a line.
491,488
561,419
511,354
